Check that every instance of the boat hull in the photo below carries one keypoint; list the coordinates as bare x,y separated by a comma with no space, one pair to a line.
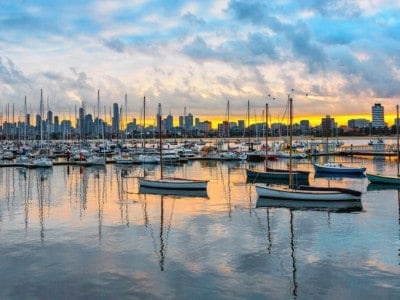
338,170
42,163
174,192
310,194
280,175
174,184
375,178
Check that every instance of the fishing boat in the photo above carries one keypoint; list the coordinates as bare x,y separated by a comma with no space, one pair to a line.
271,174
389,179
304,192
335,167
171,183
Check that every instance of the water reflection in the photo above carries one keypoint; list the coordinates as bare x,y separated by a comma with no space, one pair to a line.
43,188
337,176
95,228
292,206
379,187
172,192
330,206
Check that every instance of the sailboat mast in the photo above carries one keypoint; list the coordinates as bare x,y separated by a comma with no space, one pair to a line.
250,147
159,129
41,117
228,123
126,117
144,122
290,140
397,133
98,114
266,136
26,120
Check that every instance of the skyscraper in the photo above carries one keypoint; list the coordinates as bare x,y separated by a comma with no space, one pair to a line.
378,116
115,119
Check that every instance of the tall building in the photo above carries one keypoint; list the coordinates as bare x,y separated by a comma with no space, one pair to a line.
378,116
81,123
241,125
305,127
169,122
328,125
115,119
189,121
65,127
56,124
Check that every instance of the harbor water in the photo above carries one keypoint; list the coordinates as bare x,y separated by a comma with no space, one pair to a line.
74,232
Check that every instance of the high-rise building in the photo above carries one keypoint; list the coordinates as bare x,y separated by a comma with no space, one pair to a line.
328,125
378,115
304,127
56,124
169,122
81,123
115,119
189,121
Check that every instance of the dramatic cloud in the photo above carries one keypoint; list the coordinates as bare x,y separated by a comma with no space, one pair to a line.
344,54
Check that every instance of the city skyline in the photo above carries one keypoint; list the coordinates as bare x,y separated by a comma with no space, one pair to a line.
333,57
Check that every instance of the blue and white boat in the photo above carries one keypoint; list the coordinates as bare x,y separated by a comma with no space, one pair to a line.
333,167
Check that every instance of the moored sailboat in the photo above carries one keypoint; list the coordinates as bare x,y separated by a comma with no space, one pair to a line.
388,179
334,167
171,182
43,161
308,193
271,175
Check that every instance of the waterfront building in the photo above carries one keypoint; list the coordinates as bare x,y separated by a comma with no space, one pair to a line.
328,126
358,123
378,116
305,127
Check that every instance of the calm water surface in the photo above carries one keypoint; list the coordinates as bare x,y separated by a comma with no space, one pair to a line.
74,233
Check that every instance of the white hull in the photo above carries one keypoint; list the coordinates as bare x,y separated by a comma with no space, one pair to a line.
124,160
317,194
174,183
42,162
96,160
147,159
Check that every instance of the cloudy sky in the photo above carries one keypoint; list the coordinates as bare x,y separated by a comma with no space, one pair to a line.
199,54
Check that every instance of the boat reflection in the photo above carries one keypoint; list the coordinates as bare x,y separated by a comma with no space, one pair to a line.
379,187
332,175
331,206
171,192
